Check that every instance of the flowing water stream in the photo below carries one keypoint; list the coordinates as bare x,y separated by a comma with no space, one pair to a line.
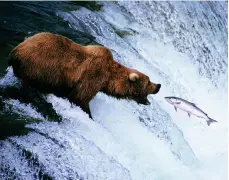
181,45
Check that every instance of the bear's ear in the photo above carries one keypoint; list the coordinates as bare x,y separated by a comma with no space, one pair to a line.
133,77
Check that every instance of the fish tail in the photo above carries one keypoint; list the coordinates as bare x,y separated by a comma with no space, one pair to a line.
210,120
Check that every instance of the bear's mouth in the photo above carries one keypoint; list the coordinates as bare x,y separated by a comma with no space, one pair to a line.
143,100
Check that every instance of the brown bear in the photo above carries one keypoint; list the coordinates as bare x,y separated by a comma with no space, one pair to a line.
55,64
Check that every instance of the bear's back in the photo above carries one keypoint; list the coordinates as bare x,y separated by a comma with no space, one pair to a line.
47,47
47,58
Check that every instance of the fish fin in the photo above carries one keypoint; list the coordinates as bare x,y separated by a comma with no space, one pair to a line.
189,114
175,108
211,121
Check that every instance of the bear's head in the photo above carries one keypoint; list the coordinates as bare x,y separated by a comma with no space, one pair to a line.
140,87
131,84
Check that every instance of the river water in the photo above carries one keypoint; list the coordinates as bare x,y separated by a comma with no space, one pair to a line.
181,45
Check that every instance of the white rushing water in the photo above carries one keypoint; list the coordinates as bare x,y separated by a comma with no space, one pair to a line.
181,45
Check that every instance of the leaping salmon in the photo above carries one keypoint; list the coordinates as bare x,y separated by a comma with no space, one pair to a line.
190,108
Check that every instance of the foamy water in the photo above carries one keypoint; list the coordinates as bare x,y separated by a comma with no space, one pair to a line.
130,141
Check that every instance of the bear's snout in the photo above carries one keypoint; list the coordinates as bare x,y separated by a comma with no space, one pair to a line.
157,87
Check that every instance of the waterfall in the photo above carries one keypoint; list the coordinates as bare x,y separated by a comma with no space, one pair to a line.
181,45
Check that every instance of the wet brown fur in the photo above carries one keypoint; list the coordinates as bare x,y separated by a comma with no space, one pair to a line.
55,64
